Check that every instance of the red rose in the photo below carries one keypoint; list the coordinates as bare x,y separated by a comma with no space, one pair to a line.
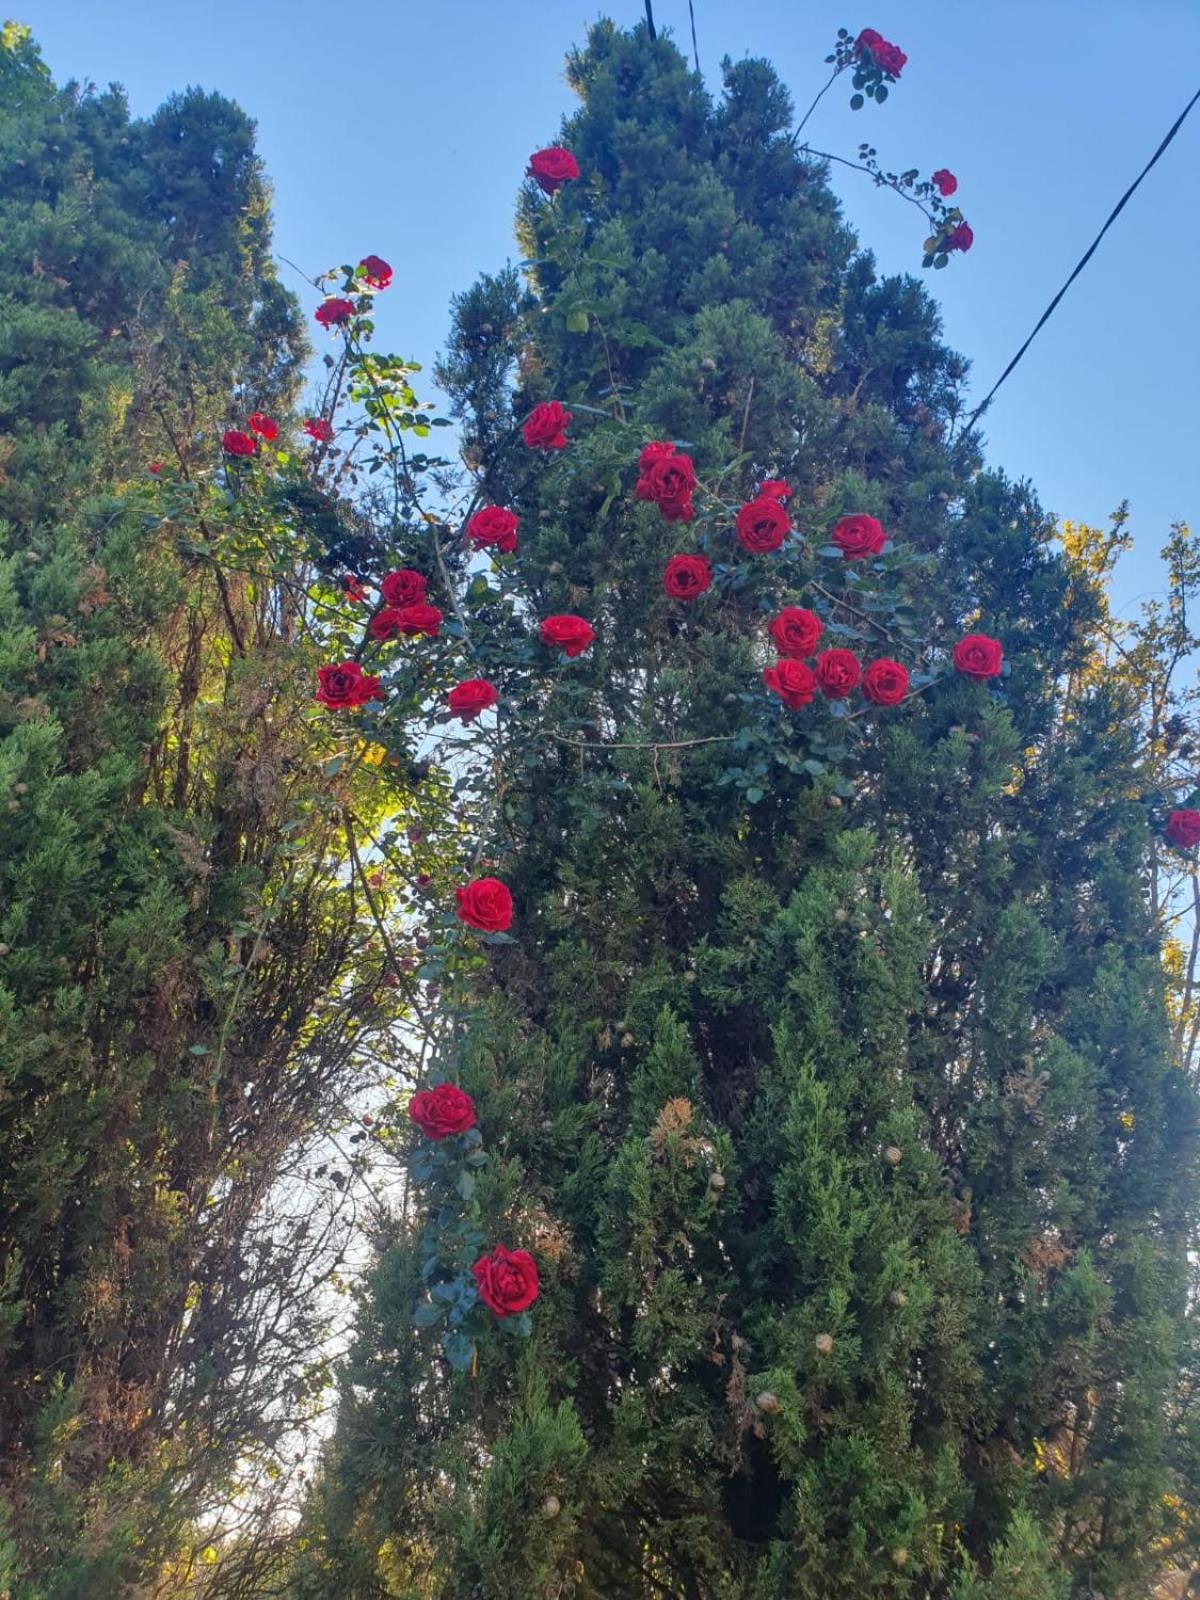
960,238
155,467
680,510
686,577
236,443
1183,829
859,536
402,587
376,272
385,624
762,526
978,657
469,698
330,312
887,57
570,634
262,426
545,427
838,672
792,681
885,683
418,618
318,428
890,58
442,1111
667,474
345,687
493,528
485,904
944,182
795,631
656,450
507,1281
666,478
551,168
774,489
352,588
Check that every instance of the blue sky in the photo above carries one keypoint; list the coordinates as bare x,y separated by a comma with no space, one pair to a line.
404,129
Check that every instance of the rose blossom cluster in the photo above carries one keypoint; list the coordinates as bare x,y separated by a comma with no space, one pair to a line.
761,526
876,64
873,50
237,443
836,672
666,478
372,274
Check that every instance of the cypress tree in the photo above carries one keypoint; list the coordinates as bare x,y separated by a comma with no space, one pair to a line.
186,988
826,1077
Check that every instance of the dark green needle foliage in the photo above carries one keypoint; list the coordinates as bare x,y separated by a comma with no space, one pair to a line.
164,941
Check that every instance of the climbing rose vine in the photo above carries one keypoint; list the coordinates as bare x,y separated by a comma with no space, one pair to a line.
875,65
810,589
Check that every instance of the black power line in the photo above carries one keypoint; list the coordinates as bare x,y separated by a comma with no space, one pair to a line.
1083,261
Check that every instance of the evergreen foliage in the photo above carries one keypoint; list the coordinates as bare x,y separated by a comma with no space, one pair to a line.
840,1117
185,983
